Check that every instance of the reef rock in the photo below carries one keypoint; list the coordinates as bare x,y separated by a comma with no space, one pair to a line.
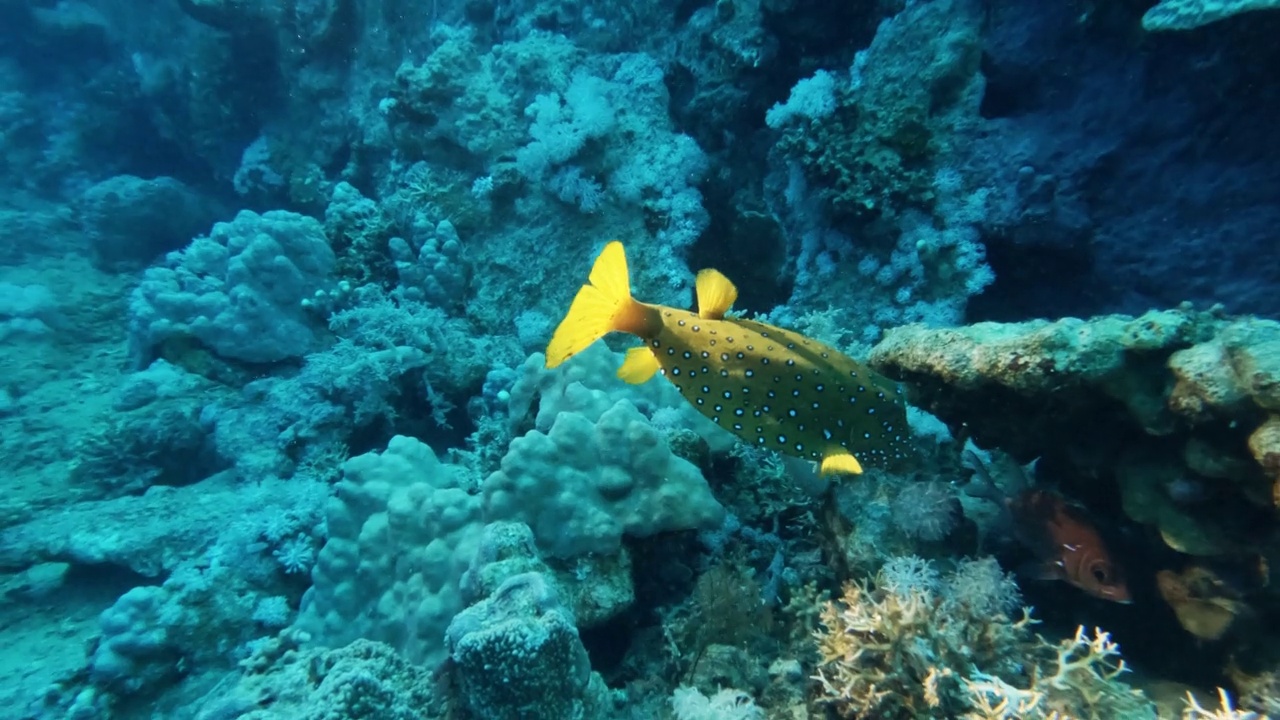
1180,408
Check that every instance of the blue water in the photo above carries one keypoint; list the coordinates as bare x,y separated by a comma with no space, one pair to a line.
280,439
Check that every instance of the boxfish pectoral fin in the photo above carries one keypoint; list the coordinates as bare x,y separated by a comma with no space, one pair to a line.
837,460
639,365
716,294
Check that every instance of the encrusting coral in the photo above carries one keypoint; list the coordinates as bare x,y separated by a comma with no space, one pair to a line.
1169,400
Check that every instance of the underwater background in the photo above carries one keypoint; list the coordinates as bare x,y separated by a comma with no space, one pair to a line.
280,439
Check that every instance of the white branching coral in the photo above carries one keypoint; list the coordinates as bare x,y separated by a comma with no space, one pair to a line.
1079,678
1095,656
904,646
900,647
1224,711
994,699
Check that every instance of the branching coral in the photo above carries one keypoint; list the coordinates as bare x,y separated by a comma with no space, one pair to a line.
899,648
1224,711
1084,679
915,650
866,636
995,699
1257,691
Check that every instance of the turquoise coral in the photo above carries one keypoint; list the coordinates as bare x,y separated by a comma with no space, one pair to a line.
363,681
1189,14
516,656
585,484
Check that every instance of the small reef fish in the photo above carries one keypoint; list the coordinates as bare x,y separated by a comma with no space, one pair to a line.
773,388
1064,541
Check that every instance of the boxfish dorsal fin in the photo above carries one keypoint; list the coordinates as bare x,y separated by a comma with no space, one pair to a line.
716,294
639,365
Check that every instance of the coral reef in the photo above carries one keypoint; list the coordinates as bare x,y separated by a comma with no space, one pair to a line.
239,291
919,644
364,680
516,654
1177,396
583,485
1188,14
277,277
401,532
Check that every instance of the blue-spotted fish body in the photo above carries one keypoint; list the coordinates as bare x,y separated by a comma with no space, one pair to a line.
772,387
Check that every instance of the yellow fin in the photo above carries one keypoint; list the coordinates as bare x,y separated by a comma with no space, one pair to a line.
838,460
596,309
640,365
716,294
609,273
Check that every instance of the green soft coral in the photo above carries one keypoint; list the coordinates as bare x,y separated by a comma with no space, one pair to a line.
908,97
1188,14
870,159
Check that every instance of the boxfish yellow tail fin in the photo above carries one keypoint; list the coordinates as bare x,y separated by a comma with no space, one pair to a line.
610,274
600,307
838,460
639,365
716,294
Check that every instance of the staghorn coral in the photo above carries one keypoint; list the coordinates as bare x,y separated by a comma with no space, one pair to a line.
1224,711
1084,682
864,634
895,649
995,699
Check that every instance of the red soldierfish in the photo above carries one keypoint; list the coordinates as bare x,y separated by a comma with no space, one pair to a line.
1064,541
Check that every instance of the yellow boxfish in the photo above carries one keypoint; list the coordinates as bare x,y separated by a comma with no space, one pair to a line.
773,388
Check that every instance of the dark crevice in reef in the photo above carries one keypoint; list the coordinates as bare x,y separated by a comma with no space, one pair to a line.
749,248
1037,280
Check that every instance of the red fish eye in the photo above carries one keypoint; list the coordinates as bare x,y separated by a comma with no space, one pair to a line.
1100,573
